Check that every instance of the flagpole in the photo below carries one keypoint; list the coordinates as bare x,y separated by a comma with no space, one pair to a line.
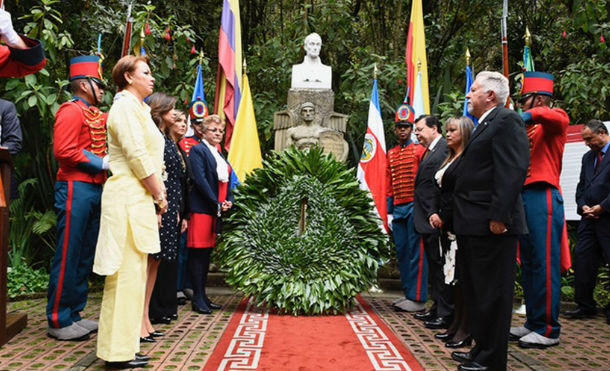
375,71
127,37
505,42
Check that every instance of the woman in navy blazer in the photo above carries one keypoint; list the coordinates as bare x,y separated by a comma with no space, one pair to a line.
210,195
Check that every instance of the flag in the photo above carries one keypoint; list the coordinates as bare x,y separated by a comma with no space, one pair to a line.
372,167
245,152
469,81
528,61
228,77
417,65
198,107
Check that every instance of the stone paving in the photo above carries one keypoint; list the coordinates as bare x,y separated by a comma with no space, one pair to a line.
190,340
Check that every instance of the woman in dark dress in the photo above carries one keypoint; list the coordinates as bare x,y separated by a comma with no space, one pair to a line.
459,130
210,196
177,133
162,306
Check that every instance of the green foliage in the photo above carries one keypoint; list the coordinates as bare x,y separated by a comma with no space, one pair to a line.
303,236
583,80
23,279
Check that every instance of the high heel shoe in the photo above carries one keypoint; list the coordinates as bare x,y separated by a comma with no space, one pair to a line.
156,334
214,305
147,339
459,344
444,335
201,310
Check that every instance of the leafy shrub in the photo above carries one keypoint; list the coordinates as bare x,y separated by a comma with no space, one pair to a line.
303,236
23,279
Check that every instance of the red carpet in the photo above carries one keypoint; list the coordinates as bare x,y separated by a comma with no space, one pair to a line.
356,341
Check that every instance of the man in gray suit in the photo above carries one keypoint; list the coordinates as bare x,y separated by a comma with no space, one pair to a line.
426,202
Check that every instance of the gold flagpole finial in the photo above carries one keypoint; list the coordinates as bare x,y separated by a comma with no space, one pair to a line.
528,37
467,56
418,65
244,67
375,71
201,57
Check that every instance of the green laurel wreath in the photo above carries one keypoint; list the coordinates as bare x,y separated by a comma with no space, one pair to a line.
302,237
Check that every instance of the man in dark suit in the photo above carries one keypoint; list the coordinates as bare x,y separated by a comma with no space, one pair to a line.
489,218
593,202
429,133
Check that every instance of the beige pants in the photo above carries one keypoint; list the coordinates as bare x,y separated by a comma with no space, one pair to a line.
118,336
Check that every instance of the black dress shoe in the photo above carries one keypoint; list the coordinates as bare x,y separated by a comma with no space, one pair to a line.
425,316
156,334
437,323
462,356
214,305
163,320
126,364
201,310
579,313
472,366
174,316
444,335
459,344
147,339
142,357
181,301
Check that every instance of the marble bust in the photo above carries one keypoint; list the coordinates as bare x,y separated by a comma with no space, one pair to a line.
312,74
307,134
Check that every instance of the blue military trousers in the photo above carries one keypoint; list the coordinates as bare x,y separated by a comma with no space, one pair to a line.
78,220
540,259
410,254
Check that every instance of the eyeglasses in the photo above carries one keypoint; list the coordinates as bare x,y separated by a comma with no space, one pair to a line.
215,130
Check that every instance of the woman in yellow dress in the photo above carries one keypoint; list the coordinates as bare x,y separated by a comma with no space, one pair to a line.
132,201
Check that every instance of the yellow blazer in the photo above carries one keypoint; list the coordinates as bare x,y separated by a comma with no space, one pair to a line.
128,219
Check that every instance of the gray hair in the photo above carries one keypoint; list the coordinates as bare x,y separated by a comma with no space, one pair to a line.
496,82
310,36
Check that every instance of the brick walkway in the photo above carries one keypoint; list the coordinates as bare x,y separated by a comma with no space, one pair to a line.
190,340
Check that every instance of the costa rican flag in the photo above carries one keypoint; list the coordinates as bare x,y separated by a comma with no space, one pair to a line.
372,167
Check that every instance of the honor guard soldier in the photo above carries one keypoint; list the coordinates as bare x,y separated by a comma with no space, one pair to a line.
540,250
197,111
79,145
402,163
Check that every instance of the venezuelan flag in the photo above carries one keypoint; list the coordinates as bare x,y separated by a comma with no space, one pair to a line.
417,63
228,78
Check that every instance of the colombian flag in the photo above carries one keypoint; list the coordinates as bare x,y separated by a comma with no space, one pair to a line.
417,63
245,153
228,78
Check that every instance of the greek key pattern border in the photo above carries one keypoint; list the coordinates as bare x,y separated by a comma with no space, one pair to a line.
244,350
381,352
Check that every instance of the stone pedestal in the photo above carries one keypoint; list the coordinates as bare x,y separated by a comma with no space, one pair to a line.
329,126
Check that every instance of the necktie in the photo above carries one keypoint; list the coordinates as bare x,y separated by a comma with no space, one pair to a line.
598,159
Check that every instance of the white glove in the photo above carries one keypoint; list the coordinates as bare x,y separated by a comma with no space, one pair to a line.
9,36
106,163
390,218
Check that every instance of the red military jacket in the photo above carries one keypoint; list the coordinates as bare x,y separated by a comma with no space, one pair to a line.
547,137
79,142
401,169
21,62
187,143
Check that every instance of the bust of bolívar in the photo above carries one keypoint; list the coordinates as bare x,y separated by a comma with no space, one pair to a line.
312,74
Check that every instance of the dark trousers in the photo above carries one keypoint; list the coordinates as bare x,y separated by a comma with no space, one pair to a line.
198,267
183,281
78,222
593,247
163,302
540,253
441,293
488,278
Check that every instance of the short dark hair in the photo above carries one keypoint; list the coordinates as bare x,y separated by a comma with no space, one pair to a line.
431,121
597,126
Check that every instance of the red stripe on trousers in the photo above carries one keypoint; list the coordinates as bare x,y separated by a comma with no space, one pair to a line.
421,266
64,252
549,237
